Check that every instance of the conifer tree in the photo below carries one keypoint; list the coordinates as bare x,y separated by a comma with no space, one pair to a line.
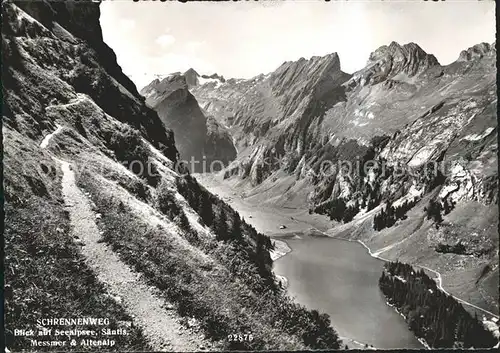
433,211
205,210
432,315
221,227
236,227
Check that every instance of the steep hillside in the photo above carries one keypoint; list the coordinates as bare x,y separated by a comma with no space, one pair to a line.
198,137
401,154
100,223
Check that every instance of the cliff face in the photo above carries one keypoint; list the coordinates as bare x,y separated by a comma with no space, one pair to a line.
99,221
389,61
75,20
198,137
52,47
306,110
424,132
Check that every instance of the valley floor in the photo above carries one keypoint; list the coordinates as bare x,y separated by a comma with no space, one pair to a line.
298,222
264,218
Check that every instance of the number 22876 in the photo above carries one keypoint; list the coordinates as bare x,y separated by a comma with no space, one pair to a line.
246,337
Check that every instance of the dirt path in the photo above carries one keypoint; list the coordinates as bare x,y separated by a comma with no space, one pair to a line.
438,279
158,324
240,205
47,138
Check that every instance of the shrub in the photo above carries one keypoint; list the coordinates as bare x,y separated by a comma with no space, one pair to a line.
458,248
388,217
433,211
136,187
166,202
337,210
129,148
231,293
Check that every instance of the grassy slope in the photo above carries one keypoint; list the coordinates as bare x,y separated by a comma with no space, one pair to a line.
42,88
45,275
415,239
213,281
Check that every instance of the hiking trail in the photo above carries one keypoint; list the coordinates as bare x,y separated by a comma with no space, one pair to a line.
159,325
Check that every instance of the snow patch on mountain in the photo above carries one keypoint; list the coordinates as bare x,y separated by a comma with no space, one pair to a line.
204,81
478,137
413,193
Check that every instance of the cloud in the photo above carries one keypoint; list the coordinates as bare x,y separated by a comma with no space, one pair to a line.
165,40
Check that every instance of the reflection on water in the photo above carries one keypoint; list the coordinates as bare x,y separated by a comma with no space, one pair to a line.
340,278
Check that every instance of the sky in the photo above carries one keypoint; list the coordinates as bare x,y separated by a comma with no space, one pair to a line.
245,39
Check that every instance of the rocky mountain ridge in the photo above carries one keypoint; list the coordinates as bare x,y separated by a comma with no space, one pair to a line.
193,78
100,223
199,137
400,86
428,133
389,61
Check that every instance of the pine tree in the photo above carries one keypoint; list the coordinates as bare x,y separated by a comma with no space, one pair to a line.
205,209
221,227
445,323
236,227
433,211
182,221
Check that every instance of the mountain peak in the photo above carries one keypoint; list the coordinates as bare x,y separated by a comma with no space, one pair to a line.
395,45
405,52
390,60
192,77
158,89
477,51
214,76
332,57
191,71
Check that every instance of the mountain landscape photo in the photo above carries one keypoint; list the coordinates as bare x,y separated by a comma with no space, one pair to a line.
224,188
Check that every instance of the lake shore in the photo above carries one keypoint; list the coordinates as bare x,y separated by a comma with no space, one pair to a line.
287,226
349,294
296,223
281,248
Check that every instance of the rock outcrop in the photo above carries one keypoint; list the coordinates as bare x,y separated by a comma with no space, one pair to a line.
199,139
387,62
478,51
309,110
94,204
191,77
402,131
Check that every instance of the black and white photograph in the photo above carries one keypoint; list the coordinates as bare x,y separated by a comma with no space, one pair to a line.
215,176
